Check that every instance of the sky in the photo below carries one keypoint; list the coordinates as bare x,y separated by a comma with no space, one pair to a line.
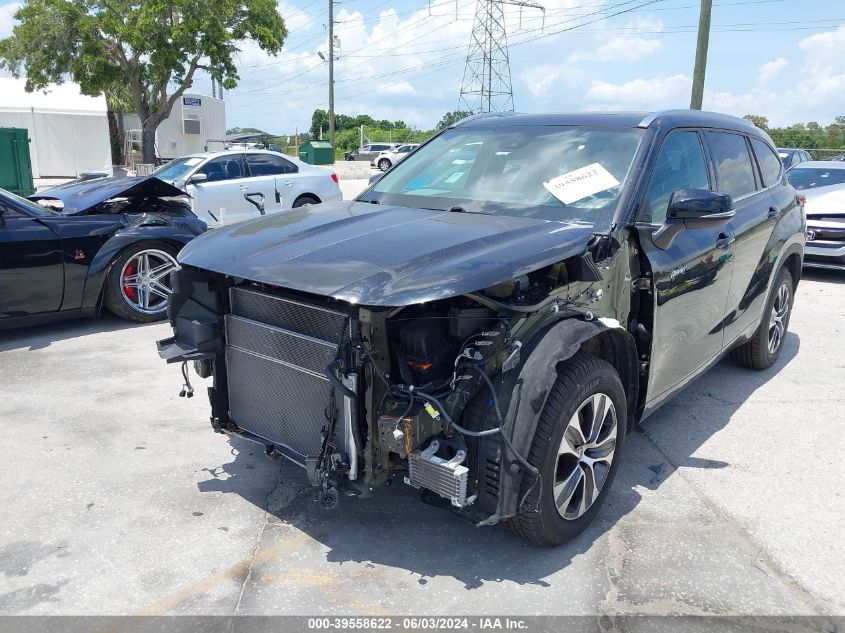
404,59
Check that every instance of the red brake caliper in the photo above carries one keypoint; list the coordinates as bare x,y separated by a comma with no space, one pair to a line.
130,291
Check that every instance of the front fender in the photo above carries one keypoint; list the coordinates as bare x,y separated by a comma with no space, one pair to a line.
523,393
177,234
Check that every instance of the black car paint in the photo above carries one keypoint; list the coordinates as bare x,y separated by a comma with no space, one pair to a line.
81,197
53,266
379,255
665,315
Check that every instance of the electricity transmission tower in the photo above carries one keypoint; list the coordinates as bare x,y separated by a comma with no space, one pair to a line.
487,75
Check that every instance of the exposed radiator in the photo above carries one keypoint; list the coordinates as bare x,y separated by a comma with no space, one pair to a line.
276,351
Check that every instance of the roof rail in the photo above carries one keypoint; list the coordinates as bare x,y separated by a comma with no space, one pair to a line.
653,116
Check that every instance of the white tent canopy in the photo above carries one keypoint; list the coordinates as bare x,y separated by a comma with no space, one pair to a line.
68,132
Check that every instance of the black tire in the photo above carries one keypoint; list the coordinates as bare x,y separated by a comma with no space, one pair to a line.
578,381
757,353
384,164
301,201
117,294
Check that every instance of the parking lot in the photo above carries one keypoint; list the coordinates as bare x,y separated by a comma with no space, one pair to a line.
119,499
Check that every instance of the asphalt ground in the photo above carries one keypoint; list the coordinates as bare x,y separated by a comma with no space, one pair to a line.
119,499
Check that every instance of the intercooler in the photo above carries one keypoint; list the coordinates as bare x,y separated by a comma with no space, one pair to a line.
276,352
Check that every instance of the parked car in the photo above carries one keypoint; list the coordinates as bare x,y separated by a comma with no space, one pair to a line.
387,159
369,151
790,156
109,242
823,185
236,185
491,332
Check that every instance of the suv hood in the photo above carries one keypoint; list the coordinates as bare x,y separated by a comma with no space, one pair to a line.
78,197
825,200
382,255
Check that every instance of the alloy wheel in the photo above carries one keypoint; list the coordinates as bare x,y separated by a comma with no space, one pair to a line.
585,456
778,317
144,283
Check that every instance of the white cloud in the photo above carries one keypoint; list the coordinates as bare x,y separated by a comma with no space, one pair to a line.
7,20
540,79
660,91
772,69
401,88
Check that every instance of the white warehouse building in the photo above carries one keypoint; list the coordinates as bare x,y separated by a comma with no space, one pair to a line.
194,121
68,131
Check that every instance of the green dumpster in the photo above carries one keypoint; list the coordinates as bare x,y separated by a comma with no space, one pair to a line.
15,166
317,153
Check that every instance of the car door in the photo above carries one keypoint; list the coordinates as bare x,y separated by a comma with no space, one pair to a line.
219,200
691,277
272,181
31,264
758,200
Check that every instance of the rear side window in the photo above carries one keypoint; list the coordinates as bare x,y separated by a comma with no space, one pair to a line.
734,170
680,165
770,165
268,165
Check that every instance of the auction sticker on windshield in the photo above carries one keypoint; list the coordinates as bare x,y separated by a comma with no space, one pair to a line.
580,183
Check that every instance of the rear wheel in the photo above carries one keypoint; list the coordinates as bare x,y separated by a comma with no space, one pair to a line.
765,346
577,450
301,201
384,164
138,282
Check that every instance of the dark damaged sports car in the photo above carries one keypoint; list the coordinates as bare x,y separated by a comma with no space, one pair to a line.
487,320
112,242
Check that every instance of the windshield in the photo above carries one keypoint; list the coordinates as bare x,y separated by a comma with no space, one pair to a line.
177,169
29,205
811,177
561,173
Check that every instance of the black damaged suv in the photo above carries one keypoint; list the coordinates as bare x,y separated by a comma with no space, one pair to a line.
488,319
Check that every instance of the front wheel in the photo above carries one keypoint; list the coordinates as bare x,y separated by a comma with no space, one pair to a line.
138,282
764,348
384,164
577,449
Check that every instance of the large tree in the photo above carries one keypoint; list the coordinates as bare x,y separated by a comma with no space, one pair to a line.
154,46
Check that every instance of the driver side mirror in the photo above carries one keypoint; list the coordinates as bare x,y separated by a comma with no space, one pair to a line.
693,208
197,178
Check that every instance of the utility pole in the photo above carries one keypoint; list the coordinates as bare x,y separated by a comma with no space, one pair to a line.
701,55
331,73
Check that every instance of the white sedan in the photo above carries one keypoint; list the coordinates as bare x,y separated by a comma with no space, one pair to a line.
236,185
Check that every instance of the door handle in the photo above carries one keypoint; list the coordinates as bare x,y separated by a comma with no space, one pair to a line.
243,187
288,183
773,212
725,240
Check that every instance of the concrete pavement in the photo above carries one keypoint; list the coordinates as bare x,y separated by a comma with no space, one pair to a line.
119,499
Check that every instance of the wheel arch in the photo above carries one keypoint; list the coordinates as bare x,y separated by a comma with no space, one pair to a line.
307,196
98,270
523,391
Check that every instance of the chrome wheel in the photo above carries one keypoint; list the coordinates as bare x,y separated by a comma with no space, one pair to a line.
144,283
778,317
585,455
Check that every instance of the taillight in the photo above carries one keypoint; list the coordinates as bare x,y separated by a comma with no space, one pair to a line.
334,176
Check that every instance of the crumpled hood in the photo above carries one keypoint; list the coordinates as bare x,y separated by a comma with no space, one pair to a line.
78,197
382,255
825,200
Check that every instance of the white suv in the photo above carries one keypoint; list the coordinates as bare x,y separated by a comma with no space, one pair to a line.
387,159
236,185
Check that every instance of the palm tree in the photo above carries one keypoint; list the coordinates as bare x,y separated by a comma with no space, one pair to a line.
118,101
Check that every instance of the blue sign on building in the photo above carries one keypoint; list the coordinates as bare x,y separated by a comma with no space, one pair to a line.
191,101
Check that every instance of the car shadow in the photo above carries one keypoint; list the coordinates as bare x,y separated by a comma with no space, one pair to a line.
394,528
41,336
823,275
